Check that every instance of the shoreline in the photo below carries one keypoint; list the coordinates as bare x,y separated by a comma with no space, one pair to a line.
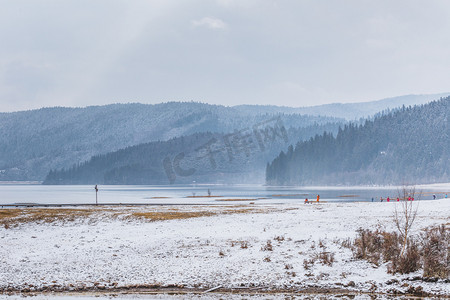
216,291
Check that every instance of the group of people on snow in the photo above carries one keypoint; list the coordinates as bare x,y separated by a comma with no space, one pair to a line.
388,199
317,199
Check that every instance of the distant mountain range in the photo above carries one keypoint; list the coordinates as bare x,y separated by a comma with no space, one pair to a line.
348,111
410,145
34,142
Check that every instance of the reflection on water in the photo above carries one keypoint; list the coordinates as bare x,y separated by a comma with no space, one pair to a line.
200,194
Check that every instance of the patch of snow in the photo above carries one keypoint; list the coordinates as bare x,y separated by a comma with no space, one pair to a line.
206,251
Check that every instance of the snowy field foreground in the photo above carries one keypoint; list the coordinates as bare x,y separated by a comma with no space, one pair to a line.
249,247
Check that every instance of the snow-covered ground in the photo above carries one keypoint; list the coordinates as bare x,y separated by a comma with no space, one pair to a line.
229,249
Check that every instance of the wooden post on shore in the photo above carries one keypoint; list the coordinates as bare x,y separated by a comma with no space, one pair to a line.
96,191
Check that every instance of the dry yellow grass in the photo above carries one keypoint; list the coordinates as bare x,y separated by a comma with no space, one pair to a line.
12,217
242,199
288,195
203,196
41,215
174,214
169,215
231,199
9,213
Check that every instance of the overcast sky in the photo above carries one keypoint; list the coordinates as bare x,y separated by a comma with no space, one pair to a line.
295,53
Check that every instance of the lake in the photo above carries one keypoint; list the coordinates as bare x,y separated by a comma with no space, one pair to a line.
196,194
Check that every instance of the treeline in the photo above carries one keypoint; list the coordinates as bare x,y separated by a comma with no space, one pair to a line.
236,157
408,145
142,164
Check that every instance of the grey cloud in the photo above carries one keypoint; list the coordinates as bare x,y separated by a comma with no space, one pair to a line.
296,53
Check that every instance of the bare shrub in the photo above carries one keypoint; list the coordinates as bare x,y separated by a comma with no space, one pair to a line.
326,258
321,244
267,259
267,246
308,263
293,274
368,245
221,253
279,238
391,246
347,243
288,266
436,249
377,245
244,244
408,262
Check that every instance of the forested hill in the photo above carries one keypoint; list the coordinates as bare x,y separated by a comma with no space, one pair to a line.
236,157
36,141
411,145
33,142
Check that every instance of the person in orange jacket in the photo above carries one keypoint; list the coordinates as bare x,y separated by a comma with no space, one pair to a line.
318,197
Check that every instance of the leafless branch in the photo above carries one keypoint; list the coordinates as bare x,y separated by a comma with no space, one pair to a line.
406,211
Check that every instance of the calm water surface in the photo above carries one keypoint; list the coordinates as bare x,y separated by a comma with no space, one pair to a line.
195,194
